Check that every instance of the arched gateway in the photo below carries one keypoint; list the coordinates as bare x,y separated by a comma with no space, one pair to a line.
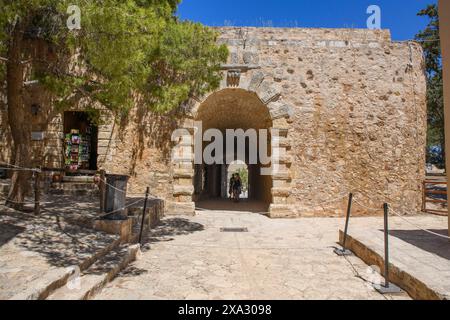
256,109
346,111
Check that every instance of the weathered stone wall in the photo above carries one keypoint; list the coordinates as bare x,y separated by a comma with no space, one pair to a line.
46,151
349,106
359,120
139,147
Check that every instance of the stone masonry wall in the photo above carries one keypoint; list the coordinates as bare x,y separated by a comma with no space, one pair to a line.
359,121
139,147
350,104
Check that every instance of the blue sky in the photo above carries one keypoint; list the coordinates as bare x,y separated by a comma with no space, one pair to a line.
400,16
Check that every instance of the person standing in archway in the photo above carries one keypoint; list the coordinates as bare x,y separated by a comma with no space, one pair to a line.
237,187
231,190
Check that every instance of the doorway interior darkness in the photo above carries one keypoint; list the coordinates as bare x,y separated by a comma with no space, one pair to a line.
79,121
232,109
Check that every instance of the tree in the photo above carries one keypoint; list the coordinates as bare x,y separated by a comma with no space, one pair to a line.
432,50
124,49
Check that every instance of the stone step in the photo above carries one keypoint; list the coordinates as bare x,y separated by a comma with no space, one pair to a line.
55,279
78,179
74,189
94,279
74,186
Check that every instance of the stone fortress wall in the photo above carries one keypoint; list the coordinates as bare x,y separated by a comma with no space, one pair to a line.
350,106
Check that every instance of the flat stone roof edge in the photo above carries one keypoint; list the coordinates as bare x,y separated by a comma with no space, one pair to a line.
309,33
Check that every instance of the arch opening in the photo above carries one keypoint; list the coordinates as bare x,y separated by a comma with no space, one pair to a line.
240,168
233,111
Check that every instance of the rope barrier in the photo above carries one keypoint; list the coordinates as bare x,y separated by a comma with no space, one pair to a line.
12,167
9,164
392,210
22,203
126,207
416,226
123,191
365,207
20,169
323,204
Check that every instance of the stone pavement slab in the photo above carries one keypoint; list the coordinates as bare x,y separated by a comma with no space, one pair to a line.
189,258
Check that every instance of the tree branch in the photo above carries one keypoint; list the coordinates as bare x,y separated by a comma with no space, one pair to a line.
4,59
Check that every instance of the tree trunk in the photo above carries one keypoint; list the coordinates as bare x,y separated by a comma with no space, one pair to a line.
19,119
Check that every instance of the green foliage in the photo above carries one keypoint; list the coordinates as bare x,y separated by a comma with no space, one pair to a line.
186,64
243,173
432,48
124,50
435,100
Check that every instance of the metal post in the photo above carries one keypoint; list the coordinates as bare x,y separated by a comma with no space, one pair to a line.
37,194
386,245
424,196
143,215
349,210
344,251
388,288
102,189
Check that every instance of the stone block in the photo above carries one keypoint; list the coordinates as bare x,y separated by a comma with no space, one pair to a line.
279,110
281,211
180,208
123,228
183,190
256,80
268,92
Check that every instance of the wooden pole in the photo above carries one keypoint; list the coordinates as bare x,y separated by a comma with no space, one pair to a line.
444,24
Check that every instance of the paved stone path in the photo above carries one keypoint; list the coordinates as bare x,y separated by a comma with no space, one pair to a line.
277,259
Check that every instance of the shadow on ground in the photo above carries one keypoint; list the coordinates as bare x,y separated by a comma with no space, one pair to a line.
8,232
228,205
62,245
425,241
69,205
132,271
168,229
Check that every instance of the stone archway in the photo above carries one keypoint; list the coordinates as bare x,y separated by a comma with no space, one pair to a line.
244,101
234,109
